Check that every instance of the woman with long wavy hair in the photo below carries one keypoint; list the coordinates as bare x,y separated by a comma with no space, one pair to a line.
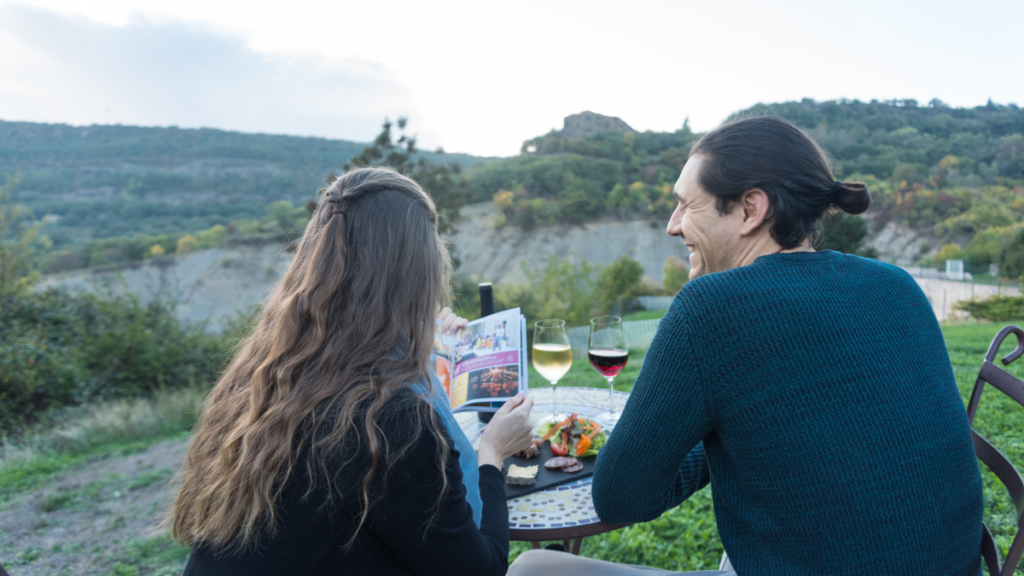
327,447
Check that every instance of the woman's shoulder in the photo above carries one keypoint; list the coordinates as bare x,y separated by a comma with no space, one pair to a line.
401,417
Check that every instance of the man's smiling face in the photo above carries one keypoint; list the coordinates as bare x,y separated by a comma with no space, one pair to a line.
711,237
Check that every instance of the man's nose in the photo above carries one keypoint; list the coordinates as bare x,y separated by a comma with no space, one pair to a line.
674,227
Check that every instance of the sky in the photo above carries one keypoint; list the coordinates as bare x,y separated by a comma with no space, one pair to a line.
482,77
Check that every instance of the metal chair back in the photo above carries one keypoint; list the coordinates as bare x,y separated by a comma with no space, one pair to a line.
1004,469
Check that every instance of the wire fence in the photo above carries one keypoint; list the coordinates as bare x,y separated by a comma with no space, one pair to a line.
655,302
639,335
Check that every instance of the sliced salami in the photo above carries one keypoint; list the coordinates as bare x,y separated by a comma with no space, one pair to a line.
573,468
560,462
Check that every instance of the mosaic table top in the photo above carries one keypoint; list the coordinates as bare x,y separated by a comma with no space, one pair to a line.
562,506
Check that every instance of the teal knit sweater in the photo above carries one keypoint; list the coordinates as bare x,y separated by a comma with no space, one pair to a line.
814,392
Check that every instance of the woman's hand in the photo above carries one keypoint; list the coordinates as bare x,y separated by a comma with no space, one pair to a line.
509,431
449,321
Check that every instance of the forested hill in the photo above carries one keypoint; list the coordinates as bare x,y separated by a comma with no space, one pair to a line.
108,181
117,193
954,172
904,140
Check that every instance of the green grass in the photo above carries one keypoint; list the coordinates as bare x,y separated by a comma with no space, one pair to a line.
98,432
644,315
999,419
22,476
148,478
583,374
156,556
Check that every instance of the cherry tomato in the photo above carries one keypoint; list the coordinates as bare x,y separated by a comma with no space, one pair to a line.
558,449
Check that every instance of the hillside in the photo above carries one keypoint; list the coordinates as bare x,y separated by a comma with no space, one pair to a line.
109,181
948,173
951,179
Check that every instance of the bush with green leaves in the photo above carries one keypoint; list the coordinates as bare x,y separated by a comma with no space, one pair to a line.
59,349
1011,258
948,252
996,308
574,291
675,274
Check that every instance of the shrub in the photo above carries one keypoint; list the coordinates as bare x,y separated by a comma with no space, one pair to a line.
618,282
59,349
986,245
948,252
675,274
1011,258
996,308
187,243
572,291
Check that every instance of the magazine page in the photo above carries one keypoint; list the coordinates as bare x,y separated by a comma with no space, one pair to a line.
443,358
486,365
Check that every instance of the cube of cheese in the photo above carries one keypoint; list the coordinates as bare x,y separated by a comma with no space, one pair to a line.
521,475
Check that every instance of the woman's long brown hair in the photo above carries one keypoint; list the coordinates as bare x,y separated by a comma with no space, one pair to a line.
349,325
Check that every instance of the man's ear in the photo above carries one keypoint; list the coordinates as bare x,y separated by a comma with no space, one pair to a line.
755,208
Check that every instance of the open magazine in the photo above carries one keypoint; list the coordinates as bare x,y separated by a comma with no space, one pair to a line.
483,362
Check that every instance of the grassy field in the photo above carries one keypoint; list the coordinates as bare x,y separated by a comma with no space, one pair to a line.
48,473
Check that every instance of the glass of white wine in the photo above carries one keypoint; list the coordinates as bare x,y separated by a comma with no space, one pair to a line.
552,356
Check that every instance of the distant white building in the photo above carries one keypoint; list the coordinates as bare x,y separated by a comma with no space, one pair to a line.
955,269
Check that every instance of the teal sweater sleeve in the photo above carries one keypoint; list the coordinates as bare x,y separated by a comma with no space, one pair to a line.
674,463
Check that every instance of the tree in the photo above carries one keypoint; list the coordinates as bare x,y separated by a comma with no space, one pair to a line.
948,252
17,234
284,214
1011,259
580,200
442,181
187,243
617,282
845,233
674,274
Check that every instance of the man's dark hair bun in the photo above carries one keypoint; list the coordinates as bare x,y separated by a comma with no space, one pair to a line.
852,197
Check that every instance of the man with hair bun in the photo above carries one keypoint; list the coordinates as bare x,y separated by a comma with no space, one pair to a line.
811,389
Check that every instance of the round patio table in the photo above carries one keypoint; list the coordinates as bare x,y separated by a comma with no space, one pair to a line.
564,512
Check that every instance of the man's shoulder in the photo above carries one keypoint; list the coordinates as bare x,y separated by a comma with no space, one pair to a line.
767,276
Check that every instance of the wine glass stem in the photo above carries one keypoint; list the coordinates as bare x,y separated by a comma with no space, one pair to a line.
554,400
611,395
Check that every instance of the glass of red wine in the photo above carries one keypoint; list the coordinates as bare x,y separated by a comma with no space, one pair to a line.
608,355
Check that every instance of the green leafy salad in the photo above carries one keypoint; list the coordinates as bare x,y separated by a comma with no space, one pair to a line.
574,436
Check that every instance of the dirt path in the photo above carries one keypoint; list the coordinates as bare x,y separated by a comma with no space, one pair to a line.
99,519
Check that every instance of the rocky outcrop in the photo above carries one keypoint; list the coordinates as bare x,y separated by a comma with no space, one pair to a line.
589,123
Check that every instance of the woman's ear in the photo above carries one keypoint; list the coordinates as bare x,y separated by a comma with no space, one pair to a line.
755,207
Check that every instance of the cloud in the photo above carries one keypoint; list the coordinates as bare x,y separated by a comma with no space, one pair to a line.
56,68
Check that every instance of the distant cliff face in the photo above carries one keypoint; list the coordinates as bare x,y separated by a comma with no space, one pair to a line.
209,286
213,285
589,123
494,254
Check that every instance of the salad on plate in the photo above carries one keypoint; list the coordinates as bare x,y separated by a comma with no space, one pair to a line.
575,436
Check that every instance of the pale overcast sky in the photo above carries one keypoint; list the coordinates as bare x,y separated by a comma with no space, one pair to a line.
481,77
